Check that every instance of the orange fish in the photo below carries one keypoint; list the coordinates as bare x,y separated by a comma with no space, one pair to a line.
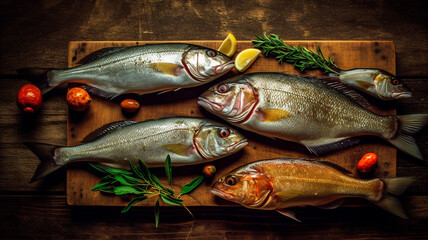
279,184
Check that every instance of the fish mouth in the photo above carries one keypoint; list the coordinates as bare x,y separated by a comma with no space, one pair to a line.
401,95
223,68
205,76
209,105
237,145
222,194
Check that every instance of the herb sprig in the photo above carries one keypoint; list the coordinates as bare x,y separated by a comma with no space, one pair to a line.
144,185
299,56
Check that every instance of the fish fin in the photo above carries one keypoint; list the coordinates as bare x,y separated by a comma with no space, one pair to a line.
41,77
180,149
332,205
364,84
106,166
309,77
99,54
45,153
394,187
100,92
397,185
287,195
408,126
165,91
347,91
105,129
168,68
288,213
272,115
330,146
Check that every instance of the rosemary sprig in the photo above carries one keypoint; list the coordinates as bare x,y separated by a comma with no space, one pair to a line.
144,185
299,56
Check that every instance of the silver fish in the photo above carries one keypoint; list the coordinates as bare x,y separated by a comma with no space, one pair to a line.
187,141
322,116
375,82
139,69
279,184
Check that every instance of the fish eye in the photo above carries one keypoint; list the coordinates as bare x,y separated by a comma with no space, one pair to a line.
230,180
223,88
211,53
395,81
224,132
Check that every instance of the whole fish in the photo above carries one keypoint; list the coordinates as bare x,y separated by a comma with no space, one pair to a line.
187,141
322,116
279,184
376,82
139,69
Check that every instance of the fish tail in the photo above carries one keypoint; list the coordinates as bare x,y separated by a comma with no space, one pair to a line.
408,126
393,188
41,77
46,153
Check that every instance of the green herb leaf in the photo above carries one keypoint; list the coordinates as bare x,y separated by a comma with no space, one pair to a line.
168,169
132,180
118,171
299,56
137,171
171,200
132,202
191,185
106,189
105,181
157,211
122,190
142,183
98,168
145,171
160,185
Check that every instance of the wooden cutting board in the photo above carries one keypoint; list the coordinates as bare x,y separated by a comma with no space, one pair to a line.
347,54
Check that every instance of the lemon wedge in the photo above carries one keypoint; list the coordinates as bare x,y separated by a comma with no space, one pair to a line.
228,46
245,58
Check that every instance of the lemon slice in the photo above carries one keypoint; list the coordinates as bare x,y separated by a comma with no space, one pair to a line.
245,58
228,46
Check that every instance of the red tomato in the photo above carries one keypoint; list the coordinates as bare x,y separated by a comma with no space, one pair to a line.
29,98
209,170
367,163
130,105
78,99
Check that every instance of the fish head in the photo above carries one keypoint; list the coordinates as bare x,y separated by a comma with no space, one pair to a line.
389,86
204,64
233,100
214,141
246,186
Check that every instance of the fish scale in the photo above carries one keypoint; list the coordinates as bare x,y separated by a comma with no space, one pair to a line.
138,69
187,140
279,184
322,116
117,72
318,111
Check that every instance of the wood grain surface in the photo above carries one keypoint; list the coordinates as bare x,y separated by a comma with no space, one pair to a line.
37,34
347,54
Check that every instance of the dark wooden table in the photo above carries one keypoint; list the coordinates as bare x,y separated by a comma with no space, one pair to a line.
36,33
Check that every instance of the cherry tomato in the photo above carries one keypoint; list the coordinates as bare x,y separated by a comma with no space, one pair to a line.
29,98
130,105
78,99
209,170
367,163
